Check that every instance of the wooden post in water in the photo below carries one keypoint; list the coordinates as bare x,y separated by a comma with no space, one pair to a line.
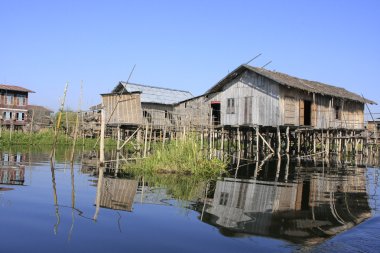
278,142
257,144
102,136
328,143
145,139
322,142
76,130
287,140
118,138
164,137
58,124
298,143
222,144
31,123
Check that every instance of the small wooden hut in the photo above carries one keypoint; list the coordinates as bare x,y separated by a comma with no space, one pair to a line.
134,104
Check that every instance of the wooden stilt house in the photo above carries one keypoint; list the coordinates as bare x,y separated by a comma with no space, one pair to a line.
256,96
134,104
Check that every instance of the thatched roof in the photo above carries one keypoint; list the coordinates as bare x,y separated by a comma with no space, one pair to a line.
293,82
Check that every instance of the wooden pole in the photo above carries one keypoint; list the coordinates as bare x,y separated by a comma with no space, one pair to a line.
102,136
287,140
76,130
278,142
58,124
118,138
257,144
298,143
328,143
268,145
164,137
146,139
222,144
31,123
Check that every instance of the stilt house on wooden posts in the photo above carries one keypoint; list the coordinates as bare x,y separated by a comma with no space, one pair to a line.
134,104
256,96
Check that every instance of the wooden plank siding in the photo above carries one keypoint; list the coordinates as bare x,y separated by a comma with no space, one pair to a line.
194,112
262,96
258,100
122,109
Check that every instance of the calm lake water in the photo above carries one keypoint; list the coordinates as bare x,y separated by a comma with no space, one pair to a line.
269,207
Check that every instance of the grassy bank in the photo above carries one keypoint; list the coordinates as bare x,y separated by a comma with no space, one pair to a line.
183,157
45,137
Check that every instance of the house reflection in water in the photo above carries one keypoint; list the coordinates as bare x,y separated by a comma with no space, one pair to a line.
304,211
118,194
9,158
13,175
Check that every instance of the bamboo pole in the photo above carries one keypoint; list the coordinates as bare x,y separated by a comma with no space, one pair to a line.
76,130
268,145
287,140
130,137
328,143
145,139
102,135
278,142
31,123
58,124
298,143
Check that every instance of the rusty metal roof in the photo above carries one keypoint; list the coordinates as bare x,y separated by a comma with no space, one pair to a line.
14,88
152,94
294,82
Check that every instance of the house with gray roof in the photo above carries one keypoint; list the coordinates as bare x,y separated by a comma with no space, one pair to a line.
131,104
255,96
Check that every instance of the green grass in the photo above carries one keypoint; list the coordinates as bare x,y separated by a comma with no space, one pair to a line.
44,137
182,157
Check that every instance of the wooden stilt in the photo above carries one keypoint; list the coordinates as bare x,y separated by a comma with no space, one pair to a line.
287,140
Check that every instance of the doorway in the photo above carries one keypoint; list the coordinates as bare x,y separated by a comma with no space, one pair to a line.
305,113
215,106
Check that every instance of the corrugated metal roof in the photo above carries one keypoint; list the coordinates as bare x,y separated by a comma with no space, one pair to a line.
151,94
14,88
294,82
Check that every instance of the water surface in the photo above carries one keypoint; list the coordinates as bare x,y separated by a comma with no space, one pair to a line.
269,207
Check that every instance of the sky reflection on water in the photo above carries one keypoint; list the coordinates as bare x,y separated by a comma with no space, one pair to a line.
280,208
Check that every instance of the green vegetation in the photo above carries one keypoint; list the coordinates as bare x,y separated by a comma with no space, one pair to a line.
182,157
44,137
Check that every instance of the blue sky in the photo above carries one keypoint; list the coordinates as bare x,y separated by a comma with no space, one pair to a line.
184,44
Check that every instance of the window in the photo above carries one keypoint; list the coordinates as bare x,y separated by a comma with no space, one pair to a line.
230,106
223,198
20,116
9,99
21,99
7,115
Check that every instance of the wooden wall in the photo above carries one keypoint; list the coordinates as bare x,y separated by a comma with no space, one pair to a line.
323,110
194,112
159,114
262,101
128,110
256,101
